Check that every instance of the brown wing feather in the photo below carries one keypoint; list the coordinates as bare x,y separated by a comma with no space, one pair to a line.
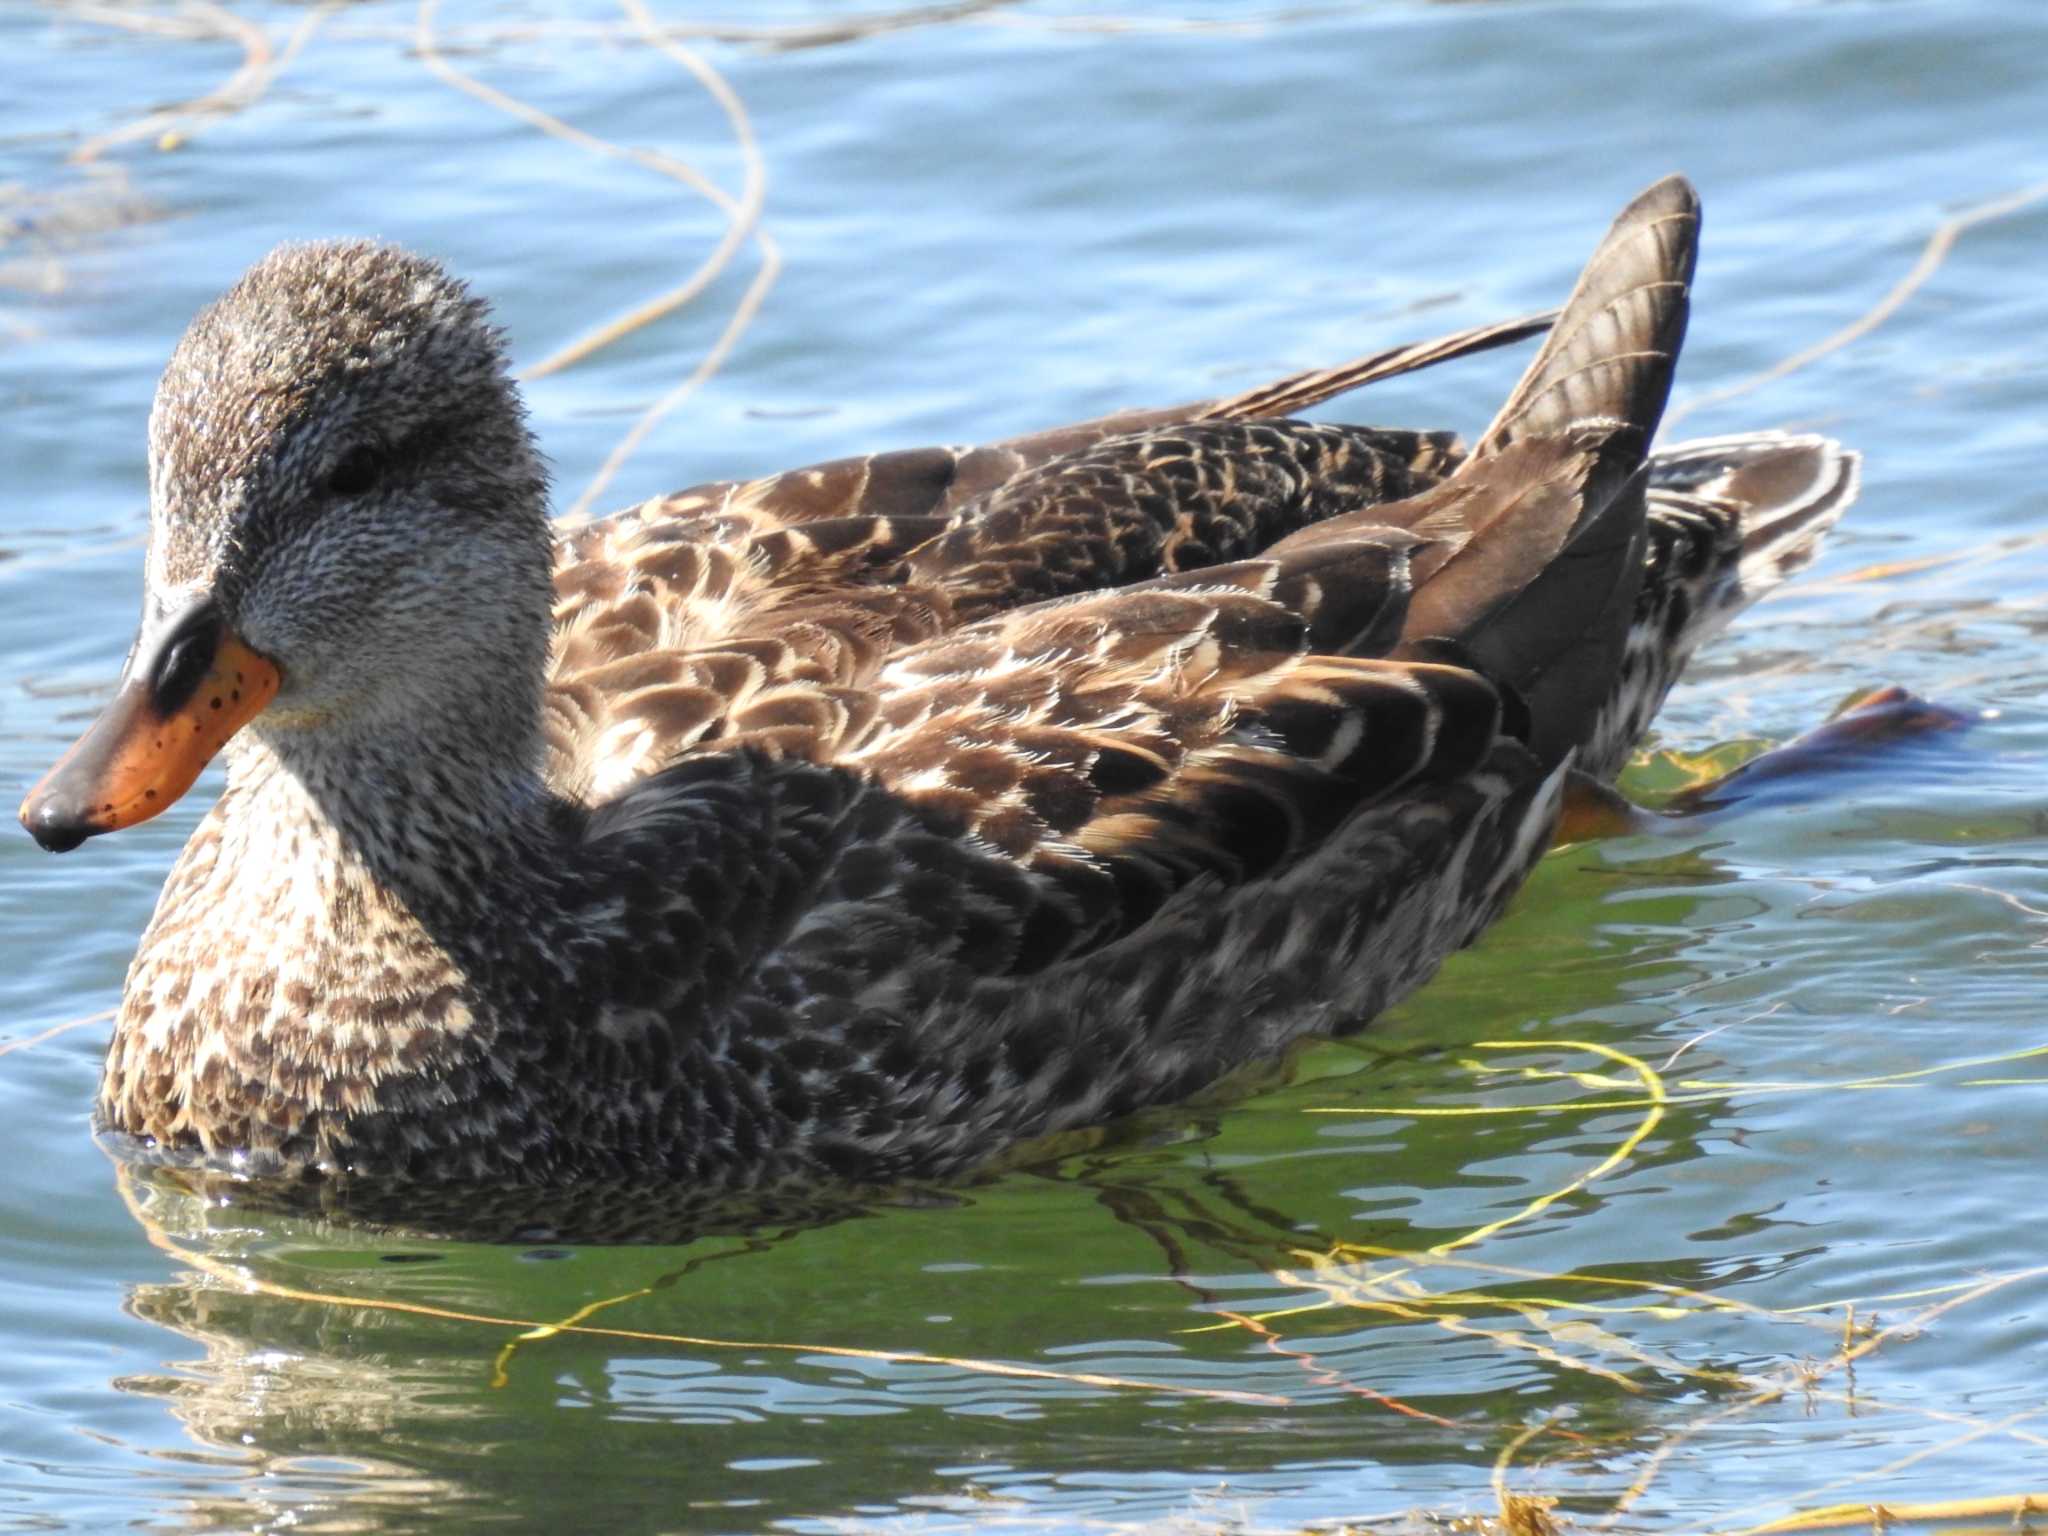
666,635
1298,392
983,470
1159,502
1610,357
1124,744
763,613
918,482
1548,515
805,571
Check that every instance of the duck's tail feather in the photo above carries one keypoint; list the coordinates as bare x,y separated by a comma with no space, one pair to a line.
1785,489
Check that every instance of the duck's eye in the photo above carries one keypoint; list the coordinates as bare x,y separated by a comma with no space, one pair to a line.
185,660
357,470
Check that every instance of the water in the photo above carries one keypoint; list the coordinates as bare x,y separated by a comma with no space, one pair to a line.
1307,1299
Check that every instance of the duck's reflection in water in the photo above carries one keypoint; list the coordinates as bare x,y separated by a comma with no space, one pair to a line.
358,1379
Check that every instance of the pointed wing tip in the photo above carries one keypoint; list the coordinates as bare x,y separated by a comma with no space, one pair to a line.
1670,194
1645,259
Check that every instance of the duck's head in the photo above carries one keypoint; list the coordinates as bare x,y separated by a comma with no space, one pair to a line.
348,536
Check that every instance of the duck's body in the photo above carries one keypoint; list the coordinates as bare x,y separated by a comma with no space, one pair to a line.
860,822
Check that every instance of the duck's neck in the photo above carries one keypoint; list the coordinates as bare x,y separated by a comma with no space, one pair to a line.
328,934
434,825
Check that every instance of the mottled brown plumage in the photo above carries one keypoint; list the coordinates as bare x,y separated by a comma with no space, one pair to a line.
861,821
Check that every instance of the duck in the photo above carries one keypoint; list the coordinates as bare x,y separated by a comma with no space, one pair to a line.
864,822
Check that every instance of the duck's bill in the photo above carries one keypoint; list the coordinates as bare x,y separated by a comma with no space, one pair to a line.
197,685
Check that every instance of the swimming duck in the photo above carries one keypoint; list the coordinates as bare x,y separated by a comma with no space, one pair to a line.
858,822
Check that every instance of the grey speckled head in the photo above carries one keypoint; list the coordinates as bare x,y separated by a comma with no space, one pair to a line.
339,459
